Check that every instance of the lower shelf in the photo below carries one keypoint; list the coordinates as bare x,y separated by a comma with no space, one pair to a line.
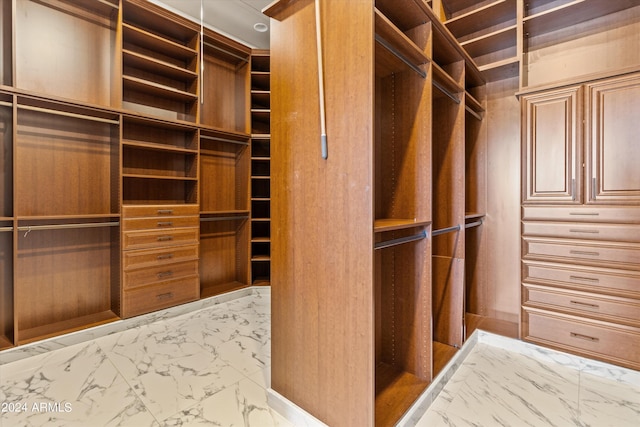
396,391
488,324
66,326
442,354
261,281
5,343
210,290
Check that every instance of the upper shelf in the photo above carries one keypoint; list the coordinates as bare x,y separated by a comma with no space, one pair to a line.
490,15
543,16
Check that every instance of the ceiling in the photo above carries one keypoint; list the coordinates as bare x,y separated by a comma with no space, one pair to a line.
234,18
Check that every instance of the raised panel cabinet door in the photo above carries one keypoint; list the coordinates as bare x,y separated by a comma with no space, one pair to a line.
552,150
613,132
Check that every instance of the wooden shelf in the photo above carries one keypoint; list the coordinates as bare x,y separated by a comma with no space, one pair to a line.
391,224
156,66
156,89
507,68
66,326
156,43
396,391
495,326
261,258
473,103
492,42
486,16
5,342
261,281
159,177
446,81
204,214
568,14
473,215
442,354
157,147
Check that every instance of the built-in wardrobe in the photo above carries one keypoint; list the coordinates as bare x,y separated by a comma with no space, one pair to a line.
378,203
125,163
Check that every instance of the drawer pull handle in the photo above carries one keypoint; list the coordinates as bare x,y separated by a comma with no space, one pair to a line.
165,256
585,304
163,274
578,230
165,224
584,253
165,296
165,211
588,279
165,238
585,213
584,337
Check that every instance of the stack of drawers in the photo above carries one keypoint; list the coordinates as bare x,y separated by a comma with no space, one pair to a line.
159,257
581,281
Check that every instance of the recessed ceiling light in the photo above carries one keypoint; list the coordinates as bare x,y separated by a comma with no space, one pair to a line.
260,27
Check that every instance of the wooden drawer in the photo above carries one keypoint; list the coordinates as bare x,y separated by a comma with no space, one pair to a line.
142,211
613,309
160,223
160,238
604,254
565,230
163,295
592,279
629,215
147,276
612,343
157,257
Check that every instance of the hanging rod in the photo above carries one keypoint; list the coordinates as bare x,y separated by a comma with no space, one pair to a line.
400,56
5,104
473,224
231,141
400,240
446,92
6,228
243,58
224,218
67,114
324,148
473,113
446,230
30,228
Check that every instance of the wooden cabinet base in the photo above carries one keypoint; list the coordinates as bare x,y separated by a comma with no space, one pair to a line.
159,296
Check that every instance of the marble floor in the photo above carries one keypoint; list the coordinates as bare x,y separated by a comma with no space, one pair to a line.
210,367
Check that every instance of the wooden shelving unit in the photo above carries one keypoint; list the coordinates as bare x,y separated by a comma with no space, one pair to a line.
6,221
260,168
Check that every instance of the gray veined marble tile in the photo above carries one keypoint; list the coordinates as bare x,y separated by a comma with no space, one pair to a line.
167,369
243,404
246,354
608,401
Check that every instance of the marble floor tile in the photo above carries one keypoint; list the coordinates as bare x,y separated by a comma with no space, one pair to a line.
246,354
608,402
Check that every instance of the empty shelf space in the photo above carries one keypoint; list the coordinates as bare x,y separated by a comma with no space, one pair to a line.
261,258
156,66
396,391
66,326
405,14
390,224
157,147
156,89
442,354
443,81
488,324
473,103
492,42
483,17
544,20
5,342
504,69
147,40
470,216
212,290
159,177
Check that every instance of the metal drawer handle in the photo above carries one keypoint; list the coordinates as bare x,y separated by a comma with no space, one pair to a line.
584,337
165,211
165,238
165,274
577,230
167,295
165,224
584,253
589,279
585,213
585,304
165,256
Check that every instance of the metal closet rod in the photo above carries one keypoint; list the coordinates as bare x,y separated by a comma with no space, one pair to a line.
400,56
446,230
243,58
5,104
67,114
224,218
473,224
473,113
231,141
446,92
400,240
29,228
6,228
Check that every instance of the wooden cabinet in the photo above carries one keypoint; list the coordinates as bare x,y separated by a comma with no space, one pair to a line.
580,253
6,220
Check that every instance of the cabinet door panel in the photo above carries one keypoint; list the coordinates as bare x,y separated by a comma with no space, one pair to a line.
614,175
552,156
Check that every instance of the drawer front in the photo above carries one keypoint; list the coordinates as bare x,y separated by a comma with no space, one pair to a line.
147,276
613,309
160,238
160,223
167,294
142,211
158,257
612,254
624,283
615,233
629,215
620,345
